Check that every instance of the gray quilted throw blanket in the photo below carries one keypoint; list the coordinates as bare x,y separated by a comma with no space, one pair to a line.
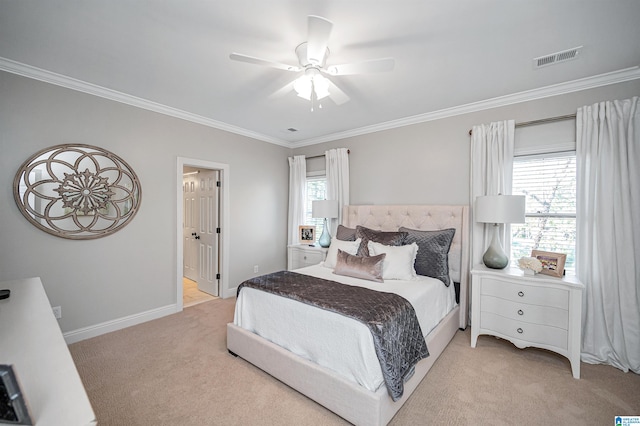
397,336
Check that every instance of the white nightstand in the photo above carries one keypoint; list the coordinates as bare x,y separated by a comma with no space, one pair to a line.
539,310
301,255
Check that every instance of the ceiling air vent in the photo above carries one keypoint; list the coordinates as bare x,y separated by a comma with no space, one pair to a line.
555,58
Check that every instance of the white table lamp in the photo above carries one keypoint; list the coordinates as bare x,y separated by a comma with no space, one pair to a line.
497,209
325,209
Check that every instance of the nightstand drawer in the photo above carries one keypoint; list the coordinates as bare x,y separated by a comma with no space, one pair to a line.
307,257
544,296
300,256
532,314
530,333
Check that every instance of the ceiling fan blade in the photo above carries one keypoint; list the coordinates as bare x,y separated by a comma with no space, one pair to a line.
365,67
257,61
336,94
319,30
283,91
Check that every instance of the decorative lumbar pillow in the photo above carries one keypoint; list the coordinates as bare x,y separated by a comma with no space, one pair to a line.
345,234
366,268
383,237
399,260
432,259
350,247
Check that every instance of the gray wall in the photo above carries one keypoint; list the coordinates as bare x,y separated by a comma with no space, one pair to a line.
133,270
428,163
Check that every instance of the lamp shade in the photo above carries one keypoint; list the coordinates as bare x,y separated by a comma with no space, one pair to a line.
500,209
324,209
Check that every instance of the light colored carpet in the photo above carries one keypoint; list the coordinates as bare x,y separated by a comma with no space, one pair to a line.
176,371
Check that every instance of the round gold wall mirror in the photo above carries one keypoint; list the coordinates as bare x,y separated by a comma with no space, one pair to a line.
79,192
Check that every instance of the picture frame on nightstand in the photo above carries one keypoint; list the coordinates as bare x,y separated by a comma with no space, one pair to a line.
307,234
552,263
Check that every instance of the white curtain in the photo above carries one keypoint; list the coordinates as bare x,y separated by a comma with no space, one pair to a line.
491,174
297,195
337,167
608,231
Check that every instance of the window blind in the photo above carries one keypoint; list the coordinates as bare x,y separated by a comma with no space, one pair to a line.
548,182
316,190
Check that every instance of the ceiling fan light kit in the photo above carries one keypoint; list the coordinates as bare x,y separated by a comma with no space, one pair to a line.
312,56
311,83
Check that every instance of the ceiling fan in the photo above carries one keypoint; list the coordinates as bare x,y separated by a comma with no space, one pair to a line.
312,57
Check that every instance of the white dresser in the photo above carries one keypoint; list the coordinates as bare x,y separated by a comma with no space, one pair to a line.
31,341
539,311
301,255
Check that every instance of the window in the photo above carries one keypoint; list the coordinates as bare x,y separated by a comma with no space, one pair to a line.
316,190
549,183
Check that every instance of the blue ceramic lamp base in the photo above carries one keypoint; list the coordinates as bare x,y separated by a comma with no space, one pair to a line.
325,238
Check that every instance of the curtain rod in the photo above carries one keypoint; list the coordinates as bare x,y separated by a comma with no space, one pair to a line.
542,121
322,155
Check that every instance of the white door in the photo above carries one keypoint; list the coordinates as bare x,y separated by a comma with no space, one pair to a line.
189,226
207,231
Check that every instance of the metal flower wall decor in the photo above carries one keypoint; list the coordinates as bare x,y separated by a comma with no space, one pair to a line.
78,191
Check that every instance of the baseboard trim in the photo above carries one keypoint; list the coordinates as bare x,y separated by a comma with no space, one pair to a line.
118,324
231,292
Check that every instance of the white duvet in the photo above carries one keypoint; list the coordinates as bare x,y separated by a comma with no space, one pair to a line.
341,344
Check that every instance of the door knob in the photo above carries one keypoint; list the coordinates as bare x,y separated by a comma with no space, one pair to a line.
197,237
193,234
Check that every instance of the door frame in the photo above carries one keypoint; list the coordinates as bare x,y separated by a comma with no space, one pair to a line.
224,224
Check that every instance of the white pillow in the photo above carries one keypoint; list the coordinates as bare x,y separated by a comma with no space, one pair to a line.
399,262
350,247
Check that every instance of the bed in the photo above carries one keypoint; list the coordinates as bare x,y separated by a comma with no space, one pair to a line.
297,354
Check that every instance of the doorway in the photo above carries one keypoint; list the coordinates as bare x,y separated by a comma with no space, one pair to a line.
202,228
201,201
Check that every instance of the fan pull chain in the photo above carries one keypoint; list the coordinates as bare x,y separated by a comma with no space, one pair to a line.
314,96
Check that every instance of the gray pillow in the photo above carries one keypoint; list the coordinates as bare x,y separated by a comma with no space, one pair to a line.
383,237
345,234
366,268
432,259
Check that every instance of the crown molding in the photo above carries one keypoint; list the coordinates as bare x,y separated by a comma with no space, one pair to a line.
626,74
93,89
29,71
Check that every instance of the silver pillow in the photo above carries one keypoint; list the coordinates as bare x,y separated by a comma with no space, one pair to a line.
346,234
366,268
388,238
432,259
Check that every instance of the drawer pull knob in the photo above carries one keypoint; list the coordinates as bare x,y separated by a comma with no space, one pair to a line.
520,312
519,330
521,294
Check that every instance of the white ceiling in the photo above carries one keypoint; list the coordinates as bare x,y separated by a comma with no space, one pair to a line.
451,56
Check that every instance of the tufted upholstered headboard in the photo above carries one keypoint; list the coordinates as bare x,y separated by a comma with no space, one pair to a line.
423,218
